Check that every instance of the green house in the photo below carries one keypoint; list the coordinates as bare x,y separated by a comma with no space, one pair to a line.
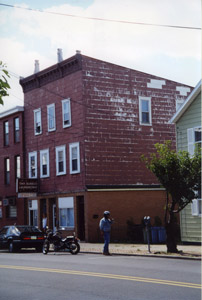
188,136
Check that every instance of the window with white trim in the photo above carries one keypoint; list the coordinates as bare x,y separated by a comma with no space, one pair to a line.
145,110
74,158
44,163
37,121
33,164
193,139
66,212
33,213
51,117
66,113
196,207
60,160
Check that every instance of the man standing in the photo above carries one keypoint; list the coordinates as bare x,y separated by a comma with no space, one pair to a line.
105,227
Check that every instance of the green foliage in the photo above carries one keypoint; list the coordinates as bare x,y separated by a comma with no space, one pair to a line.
179,173
4,85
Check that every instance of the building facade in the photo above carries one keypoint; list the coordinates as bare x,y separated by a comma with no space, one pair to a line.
87,124
12,208
188,132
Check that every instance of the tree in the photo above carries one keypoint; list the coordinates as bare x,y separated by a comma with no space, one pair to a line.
4,86
180,175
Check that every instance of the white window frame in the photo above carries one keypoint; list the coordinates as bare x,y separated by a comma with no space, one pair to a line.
33,154
51,118
57,150
148,99
191,142
44,152
195,207
71,146
66,101
39,124
66,203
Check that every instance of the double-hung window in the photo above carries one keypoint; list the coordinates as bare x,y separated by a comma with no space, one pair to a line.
33,164
74,158
193,139
145,111
16,130
6,133
196,207
7,171
66,212
51,117
44,163
37,121
17,166
66,113
61,160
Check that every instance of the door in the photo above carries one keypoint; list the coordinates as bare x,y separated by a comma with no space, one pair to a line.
80,218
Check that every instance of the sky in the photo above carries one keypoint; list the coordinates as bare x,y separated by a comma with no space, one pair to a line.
169,52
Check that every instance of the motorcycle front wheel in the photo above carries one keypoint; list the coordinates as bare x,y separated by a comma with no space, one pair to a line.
74,248
46,246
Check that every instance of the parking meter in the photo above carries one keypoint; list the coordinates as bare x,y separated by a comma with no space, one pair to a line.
147,222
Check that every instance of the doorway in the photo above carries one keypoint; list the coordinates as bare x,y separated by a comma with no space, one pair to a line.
80,217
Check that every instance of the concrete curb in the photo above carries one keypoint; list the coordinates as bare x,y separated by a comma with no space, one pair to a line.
147,255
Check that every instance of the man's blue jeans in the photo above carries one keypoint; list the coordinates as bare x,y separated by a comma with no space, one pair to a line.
106,242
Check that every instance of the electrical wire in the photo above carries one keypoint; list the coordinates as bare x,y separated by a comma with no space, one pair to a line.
101,19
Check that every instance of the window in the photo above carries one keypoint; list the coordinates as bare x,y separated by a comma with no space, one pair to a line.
74,158
11,211
66,212
17,166
33,212
16,130
51,117
66,113
44,163
33,164
37,121
60,160
7,171
196,207
145,111
6,133
193,139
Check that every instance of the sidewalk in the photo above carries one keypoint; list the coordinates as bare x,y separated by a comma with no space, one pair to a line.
156,250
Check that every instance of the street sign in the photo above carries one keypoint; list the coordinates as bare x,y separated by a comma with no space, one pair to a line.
27,188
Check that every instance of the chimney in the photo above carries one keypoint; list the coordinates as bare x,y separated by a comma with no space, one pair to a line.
36,67
78,52
60,56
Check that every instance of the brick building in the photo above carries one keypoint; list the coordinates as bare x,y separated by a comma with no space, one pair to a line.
87,122
12,208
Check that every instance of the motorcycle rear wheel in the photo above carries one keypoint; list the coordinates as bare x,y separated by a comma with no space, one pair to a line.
74,248
46,246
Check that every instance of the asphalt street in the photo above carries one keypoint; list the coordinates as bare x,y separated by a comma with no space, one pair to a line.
34,276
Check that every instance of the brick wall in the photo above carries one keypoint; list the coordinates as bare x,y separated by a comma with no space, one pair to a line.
54,92
123,206
114,138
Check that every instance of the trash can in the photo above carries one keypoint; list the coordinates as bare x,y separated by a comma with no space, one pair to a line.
154,235
161,234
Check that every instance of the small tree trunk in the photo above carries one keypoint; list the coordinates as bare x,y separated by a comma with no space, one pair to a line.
171,235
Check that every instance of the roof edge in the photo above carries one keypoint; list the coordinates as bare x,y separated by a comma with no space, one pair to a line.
187,103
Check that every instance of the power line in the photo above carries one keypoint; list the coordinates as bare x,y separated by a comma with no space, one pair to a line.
101,19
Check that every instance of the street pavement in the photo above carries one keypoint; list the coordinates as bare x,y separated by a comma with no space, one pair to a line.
156,250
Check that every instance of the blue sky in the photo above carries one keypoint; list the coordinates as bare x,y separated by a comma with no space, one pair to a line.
166,52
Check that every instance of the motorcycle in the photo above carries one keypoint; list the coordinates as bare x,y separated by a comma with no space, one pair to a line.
69,243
